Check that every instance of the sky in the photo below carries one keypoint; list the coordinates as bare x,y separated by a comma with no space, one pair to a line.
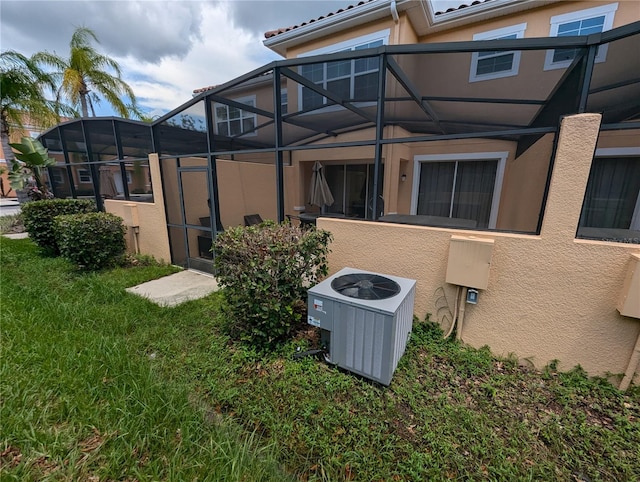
165,49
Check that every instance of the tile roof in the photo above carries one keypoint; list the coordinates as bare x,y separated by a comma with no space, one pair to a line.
460,7
274,33
204,89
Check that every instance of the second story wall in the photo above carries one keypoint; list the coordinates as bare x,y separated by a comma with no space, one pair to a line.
539,20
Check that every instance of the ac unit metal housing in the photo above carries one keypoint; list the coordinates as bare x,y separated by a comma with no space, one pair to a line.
364,336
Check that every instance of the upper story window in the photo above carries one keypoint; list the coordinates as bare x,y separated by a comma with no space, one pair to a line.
494,65
583,22
232,121
84,176
284,101
354,79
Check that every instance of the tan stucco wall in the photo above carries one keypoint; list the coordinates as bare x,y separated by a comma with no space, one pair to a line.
245,188
549,296
523,187
152,238
343,36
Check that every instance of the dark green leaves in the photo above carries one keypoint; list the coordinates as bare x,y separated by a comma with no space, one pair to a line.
265,271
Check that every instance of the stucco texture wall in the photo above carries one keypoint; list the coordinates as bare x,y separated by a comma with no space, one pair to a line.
549,297
152,237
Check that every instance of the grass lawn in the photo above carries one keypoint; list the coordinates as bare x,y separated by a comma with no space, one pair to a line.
97,384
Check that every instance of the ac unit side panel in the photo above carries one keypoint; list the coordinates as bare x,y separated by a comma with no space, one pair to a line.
359,342
403,326
320,311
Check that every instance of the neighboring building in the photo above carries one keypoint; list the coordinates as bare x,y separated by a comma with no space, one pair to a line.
30,128
439,124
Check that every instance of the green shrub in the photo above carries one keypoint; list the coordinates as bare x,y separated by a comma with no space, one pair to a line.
265,271
92,240
38,219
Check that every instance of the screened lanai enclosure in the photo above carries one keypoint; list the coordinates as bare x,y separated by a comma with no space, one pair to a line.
457,134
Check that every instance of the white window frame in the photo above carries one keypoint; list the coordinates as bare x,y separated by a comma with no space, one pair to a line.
624,152
351,44
84,174
501,157
518,31
129,177
607,10
241,100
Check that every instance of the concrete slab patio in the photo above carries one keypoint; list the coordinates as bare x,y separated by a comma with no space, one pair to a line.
177,288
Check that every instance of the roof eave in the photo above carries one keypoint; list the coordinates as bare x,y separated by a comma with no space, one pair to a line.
328,25
476,13
423,19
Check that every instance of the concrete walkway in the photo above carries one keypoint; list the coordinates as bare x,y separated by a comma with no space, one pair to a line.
177,288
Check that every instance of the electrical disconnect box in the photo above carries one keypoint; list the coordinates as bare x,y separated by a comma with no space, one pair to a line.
469,261
629,302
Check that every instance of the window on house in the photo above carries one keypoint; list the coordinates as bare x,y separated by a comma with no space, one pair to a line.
284,101
583,22
354,79
352,189
57,176
611,207
465,187
232,121
129,178
494,65
84,176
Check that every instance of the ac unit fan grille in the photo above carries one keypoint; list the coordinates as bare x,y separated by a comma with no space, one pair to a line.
365,286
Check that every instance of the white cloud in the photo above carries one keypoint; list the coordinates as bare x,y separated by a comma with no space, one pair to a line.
166,48
222,53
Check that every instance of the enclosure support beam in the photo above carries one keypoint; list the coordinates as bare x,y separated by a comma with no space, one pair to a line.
277,103
377,167
214,206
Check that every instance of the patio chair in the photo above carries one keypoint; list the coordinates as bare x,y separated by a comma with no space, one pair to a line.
252,219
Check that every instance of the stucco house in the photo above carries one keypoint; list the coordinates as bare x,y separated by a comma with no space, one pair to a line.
493,146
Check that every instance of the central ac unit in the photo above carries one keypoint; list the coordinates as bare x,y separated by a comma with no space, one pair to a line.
365,320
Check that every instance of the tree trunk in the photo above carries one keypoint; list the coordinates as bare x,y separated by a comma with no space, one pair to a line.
84,92
83,104
6,148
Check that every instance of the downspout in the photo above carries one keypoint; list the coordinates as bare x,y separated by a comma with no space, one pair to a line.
393,7
394,11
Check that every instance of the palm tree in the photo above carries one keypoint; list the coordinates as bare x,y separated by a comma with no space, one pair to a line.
86,76
23,88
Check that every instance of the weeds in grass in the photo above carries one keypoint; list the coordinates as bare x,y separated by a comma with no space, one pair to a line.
11,223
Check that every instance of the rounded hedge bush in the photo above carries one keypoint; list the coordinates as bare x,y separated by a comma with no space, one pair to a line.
92,241
265,271
38,219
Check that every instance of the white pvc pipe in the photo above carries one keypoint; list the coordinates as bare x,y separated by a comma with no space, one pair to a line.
463,302
455,314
